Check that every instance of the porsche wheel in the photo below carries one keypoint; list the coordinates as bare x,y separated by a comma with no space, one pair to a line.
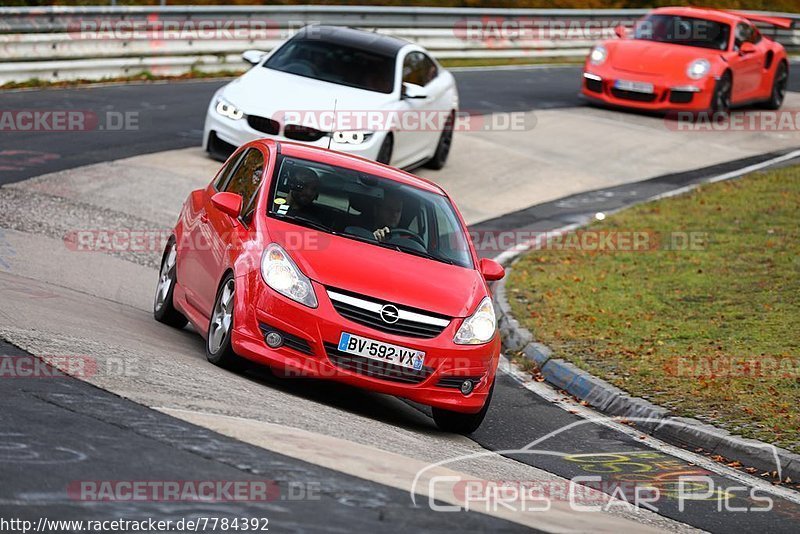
385,153
721,100
443,147
461,423
778,87
163,309
218,342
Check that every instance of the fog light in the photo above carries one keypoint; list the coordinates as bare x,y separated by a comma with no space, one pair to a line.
467,386
275,340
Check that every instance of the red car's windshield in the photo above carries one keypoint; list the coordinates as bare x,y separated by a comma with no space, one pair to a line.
368,208
686,31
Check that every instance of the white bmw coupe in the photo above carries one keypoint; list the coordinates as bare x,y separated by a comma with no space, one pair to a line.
349,90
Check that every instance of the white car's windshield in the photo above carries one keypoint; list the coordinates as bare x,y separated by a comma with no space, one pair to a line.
335,63
368,208
687,31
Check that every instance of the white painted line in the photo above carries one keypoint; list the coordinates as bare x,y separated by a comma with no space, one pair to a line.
729,175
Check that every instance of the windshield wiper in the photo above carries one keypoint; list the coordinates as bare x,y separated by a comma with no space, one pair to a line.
306,222
417,252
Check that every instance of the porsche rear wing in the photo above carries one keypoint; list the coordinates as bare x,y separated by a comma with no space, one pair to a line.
780,22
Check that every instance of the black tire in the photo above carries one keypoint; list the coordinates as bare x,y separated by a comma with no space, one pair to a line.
218,149
779,84
439,158
218,342
163,308
461,423
721,99
385,152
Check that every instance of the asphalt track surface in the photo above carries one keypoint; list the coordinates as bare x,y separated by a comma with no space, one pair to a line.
171,115
107,428
64,430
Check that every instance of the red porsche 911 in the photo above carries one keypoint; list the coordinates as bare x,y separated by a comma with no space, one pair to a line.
689,59
327,265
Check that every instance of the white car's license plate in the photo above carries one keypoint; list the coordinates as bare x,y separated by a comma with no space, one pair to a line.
636,87
382,352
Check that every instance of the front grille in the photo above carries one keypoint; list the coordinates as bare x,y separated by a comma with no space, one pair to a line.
633,95
412,322
455,381
289,340
594,85
302,133
263,124
680,97
376,369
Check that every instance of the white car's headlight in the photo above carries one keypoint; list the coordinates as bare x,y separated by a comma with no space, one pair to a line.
226,109
479,327
598,55
351,137
698,69
281,274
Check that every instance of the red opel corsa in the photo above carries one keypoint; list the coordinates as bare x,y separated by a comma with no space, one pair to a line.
689,59
326,265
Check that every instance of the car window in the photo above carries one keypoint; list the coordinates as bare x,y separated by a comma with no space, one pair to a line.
684,31
355,204
419,69
745,33
335,63
246,179
226,171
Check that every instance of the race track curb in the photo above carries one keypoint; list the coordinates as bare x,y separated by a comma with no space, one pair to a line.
648,417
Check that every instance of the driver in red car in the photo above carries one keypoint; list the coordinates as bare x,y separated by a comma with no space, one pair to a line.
303,191
387,215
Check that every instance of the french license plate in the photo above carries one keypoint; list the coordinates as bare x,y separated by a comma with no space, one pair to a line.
636,87
382,352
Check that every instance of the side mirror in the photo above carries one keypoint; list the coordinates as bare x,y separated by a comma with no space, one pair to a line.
253,56
621,31
228,203
491,270
747,48
412,90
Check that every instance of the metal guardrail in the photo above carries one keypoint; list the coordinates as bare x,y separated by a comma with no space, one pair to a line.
95,42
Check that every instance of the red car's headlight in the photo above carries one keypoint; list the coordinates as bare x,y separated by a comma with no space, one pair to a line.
479,327
698,68
281,274
598,55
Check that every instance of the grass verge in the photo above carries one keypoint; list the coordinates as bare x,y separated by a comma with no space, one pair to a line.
711,331
144,76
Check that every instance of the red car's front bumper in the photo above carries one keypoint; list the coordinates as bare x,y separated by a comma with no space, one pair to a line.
601,85
310,350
